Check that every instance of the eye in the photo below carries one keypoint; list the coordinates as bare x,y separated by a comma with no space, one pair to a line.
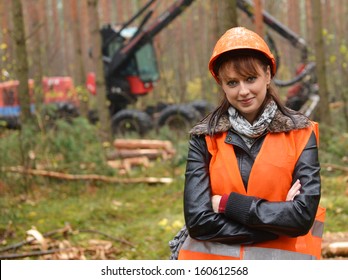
232,83
251,79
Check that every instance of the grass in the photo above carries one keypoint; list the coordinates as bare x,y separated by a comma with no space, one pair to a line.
335,200
147,216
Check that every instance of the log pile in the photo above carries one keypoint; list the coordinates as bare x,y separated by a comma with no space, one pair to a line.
138,152
127,154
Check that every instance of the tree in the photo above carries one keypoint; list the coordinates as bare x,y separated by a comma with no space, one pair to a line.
26,143
230,15
96,54
35,48
21,68
258,17
324,116
79,70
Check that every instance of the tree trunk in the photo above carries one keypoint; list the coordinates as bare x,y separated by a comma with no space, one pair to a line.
324,110
309,22
102,105
45,35
36,24
56,37
79,69
258,17
230,15
21,68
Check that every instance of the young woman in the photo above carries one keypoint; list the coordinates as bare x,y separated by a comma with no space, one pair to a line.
252,185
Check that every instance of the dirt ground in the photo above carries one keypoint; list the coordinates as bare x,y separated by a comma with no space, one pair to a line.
329,239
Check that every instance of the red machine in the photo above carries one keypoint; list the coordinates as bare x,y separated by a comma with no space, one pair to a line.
58,91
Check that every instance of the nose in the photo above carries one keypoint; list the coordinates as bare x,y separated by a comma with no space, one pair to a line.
243,90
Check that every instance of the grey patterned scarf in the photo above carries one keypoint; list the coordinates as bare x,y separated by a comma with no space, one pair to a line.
251,131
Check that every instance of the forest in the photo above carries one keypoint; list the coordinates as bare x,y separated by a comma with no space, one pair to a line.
92,154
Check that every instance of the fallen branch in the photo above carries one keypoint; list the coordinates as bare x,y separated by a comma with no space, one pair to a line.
67,229
31,254
107,235
63,230
334,166
87,177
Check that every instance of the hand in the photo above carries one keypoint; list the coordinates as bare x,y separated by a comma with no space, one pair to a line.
295,190
215,201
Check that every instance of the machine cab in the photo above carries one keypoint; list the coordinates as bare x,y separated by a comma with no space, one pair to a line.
140,70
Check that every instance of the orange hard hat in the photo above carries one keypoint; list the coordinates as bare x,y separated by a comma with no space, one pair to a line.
240,38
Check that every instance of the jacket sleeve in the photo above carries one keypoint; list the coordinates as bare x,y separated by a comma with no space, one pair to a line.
201,221
290,218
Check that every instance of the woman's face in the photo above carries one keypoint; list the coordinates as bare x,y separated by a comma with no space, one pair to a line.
246,93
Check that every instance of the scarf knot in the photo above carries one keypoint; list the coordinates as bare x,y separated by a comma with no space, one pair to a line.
251,131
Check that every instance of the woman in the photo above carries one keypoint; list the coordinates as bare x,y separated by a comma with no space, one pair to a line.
252,185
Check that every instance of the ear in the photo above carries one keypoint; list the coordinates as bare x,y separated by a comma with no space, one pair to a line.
268,74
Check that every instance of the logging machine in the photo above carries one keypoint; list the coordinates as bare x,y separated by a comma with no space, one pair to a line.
131,71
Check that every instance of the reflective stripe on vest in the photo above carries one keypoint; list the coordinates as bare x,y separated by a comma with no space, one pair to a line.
254,253
216,250
278,156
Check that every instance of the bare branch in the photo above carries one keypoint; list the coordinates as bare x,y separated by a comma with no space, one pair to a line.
87,177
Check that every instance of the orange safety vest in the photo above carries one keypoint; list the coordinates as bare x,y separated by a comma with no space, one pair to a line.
278,156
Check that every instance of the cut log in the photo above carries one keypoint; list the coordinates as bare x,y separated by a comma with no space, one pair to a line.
128,153
144,144
127,163
337,249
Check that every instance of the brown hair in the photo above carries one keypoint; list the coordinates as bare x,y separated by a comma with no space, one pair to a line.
245,63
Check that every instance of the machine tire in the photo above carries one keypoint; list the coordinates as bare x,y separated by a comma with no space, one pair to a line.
130,121
178,117
202,106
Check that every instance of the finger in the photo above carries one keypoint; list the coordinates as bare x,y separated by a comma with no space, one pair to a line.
294,190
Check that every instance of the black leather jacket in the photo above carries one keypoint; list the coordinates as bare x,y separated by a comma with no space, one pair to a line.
249,219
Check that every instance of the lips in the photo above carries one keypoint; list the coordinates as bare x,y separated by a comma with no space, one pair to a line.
247,101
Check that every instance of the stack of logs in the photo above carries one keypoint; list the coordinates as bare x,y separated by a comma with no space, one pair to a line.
138,152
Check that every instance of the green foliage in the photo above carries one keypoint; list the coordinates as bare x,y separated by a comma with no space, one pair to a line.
335,201
333,145
73,147
75,144
6,65
333,151
194,88
82,93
